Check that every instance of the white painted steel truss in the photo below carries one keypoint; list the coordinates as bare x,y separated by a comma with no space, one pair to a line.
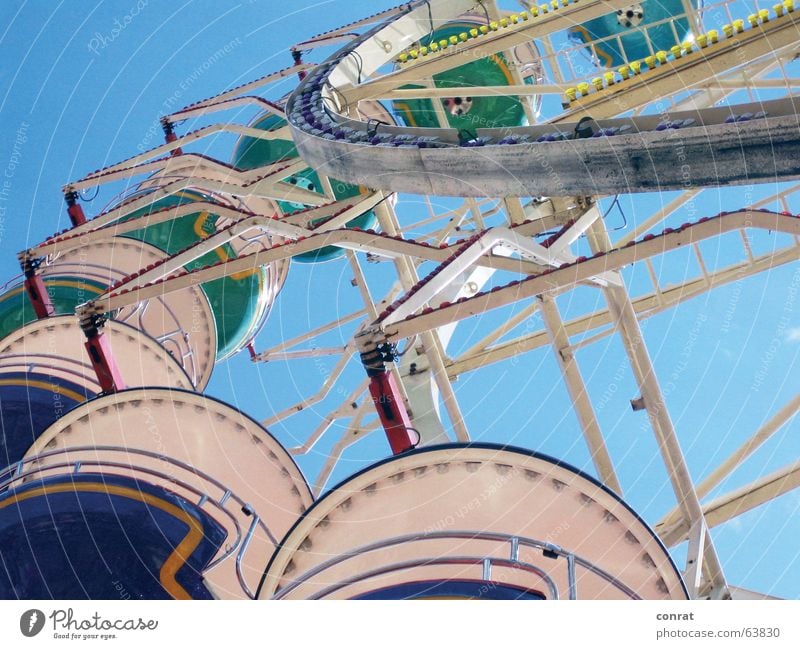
535,241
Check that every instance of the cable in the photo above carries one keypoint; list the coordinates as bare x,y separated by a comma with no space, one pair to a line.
485,11
372,132
430,19
581,130
359,63
622,213
409,345
342,100
89,200
465,135
611,207
419,437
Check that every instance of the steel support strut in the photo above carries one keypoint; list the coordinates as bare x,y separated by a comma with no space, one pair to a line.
36,290
297,57
388,398
101,355
169,135
627,324
74,209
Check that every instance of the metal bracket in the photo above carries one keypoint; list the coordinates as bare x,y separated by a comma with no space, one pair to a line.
101,356
169,134
386,394
74,209
35,288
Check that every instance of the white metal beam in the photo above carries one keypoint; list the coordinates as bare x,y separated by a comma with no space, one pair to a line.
577,391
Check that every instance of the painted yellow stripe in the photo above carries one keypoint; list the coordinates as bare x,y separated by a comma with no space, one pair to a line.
500,63
198,225
219,251
44,385
179,556
406,109
16,291
76,284
58,282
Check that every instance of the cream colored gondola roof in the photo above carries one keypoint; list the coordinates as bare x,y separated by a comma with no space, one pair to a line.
476,489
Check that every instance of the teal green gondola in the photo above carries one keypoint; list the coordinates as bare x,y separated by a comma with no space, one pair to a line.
238,302
66,292
252,153
643,29
464,112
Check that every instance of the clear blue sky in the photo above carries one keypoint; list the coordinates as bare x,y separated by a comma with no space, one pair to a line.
77,92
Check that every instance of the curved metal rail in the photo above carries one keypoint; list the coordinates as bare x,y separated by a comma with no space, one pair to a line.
729,146
18,473
512,562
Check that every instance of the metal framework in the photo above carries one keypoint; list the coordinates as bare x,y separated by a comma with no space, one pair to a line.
527,251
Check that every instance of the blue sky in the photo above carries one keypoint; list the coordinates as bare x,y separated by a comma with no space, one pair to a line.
82,85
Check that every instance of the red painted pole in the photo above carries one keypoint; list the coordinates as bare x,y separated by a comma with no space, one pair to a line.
388,400
38,296
74,209
298,59
103,362
169,136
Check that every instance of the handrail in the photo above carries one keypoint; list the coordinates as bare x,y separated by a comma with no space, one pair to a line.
457,560
34,363
78,465
17,473
513,540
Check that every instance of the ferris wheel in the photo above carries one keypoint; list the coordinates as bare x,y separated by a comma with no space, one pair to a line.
511,227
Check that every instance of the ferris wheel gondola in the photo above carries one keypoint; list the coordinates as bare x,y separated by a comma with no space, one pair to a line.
456,159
